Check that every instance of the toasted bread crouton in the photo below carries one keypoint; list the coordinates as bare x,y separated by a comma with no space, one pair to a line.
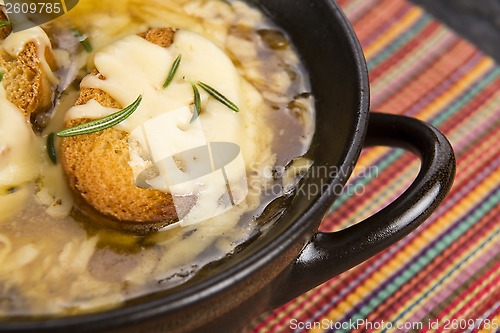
98,171
25,78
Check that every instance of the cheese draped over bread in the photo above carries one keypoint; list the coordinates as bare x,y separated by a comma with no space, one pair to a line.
15,43
162,127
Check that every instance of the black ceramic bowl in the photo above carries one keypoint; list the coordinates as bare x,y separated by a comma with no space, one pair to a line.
293,257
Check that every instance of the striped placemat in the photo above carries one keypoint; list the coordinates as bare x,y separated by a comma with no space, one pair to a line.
445,276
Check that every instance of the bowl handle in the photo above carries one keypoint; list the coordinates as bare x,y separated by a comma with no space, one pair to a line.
331,253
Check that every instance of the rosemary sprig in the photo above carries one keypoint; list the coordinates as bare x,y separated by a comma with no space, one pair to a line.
197,99
197,103
173,71
218,96
4,23
51,148
82,39
102,123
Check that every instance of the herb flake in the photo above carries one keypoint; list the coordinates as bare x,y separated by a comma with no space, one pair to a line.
218,96
102,123
173,71
4,23
83,40
197,103
51,148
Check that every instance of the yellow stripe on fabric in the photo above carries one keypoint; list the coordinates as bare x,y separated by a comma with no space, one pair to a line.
447,274
411,60
455,213
407,21
428,83
463,84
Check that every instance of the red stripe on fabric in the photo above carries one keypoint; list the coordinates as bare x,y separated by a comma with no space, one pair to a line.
467,112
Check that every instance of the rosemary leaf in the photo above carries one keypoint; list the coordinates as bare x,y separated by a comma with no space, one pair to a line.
173,71
51,148
4,23
218,96
83,40
197,103
1,74
102,123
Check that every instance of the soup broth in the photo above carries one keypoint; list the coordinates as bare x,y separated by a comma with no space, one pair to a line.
54,260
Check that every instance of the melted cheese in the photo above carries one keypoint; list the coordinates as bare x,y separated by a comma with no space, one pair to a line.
162,127
19,151
19,157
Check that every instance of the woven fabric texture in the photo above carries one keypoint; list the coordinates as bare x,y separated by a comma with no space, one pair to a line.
445,276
